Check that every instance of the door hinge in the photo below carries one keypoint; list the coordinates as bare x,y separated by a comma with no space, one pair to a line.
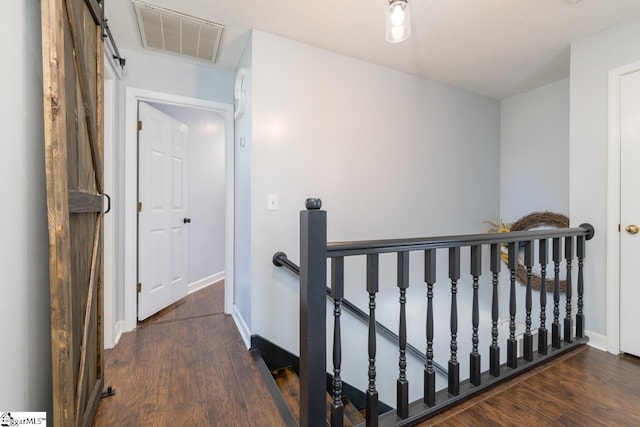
139,207
139,124
139,287
619,228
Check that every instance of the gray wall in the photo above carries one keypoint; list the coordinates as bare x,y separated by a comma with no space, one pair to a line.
390,155
242,224
25,329
534,152
169,74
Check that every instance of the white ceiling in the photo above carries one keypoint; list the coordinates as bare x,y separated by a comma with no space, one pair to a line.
496,48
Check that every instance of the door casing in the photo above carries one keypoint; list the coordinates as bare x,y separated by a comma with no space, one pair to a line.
613,208
111,335
133,97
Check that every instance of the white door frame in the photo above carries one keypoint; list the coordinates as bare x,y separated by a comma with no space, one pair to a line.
133,96
111,326
613,208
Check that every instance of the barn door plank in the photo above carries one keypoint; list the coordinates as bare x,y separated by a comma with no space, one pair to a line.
55,126
94,10
88,103
99,295
72,83
89,310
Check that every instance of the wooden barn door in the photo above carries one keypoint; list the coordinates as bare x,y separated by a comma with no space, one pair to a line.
73,88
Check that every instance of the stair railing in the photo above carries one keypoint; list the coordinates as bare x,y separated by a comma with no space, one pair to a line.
280,259
314,251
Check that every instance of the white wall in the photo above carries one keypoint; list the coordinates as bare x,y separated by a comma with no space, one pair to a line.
591,60
390,155
534,152
206,190
25,329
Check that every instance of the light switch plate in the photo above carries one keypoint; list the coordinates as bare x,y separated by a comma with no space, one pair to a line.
272,202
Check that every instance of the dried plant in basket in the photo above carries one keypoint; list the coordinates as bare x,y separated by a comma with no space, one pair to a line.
528,222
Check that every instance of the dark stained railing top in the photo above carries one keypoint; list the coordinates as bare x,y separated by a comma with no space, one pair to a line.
366,247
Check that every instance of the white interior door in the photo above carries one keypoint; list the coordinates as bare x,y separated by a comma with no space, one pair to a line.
162,219
630,213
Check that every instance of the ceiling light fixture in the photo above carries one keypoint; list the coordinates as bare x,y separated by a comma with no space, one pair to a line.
398,16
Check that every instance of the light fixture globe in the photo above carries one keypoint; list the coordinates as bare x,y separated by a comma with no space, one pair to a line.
398,17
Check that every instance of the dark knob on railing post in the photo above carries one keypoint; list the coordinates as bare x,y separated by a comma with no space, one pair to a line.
187,220
277,258
590,230
313,204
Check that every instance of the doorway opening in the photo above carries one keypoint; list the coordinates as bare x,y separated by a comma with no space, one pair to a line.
181,191
133,98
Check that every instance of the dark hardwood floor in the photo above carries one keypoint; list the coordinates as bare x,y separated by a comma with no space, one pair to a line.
186,366
586,387
204,302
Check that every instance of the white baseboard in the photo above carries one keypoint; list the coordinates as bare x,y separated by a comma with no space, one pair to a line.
203,283
596,340
245,333
118,330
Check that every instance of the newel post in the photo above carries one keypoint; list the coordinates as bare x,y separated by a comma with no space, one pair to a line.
313,282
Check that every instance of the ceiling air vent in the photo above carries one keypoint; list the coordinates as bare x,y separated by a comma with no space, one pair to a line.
169,31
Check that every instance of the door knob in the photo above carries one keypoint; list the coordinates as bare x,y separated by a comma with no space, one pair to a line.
632,229
188,220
